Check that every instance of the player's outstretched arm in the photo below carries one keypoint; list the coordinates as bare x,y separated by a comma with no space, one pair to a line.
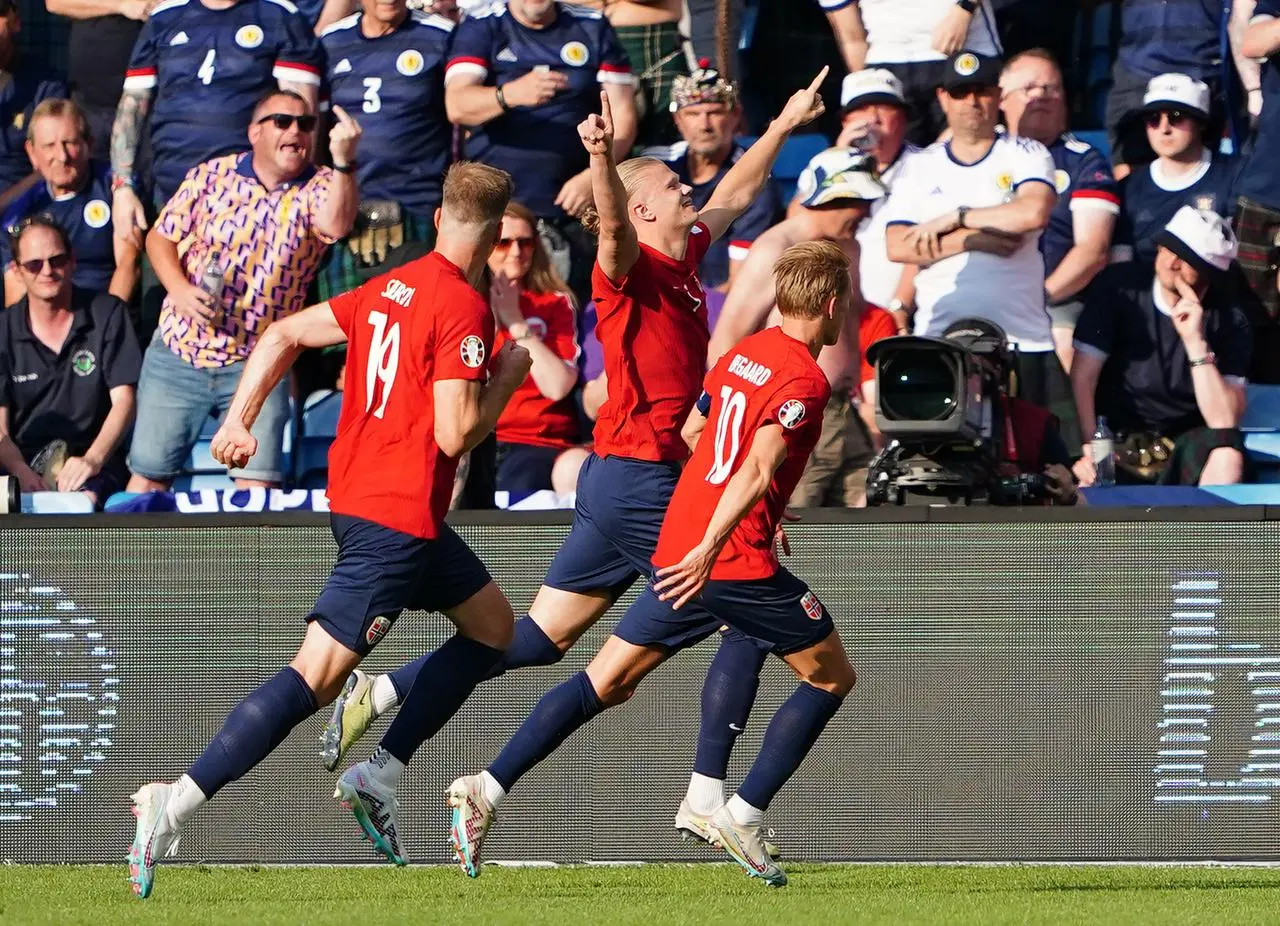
747,177
467,411
268,362
685,579
618,247
747,306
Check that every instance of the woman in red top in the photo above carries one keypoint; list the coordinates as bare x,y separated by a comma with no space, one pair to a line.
538,430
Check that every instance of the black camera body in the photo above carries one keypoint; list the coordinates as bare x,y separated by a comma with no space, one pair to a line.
937,404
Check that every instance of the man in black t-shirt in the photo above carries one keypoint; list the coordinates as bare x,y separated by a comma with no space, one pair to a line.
1169,355
69,362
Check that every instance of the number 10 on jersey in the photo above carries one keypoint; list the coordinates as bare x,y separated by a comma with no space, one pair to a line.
733,407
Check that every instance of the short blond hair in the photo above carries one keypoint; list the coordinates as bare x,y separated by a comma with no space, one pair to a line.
475,194
633,172
808,275
59,109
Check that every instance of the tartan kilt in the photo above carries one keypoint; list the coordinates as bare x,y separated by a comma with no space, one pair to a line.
1191,452
657,58
1257,227
340,271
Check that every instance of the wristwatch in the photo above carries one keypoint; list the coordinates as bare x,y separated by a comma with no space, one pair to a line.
118,181
969,6
960,214
1208,360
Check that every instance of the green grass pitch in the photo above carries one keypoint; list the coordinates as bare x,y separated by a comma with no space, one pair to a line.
699,895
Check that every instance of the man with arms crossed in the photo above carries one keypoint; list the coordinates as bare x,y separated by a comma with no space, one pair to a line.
416,400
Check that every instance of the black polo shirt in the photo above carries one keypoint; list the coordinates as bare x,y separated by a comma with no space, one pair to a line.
1146,380
66,395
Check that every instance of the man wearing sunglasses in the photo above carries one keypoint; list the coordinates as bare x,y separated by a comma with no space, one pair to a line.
69,362
253,227
1185,172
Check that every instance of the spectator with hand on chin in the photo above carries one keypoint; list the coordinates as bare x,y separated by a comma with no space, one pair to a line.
1167,360
262,220
538,429
69,361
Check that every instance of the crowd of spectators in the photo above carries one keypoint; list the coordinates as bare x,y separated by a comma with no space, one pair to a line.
202,168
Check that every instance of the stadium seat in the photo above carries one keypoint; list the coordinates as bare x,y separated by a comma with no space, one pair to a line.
1261,424
792,160
319,427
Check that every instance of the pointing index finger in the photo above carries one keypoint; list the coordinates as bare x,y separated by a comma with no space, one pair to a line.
817,81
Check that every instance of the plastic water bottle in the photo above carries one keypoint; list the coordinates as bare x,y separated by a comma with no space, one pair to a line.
1103,449
214,282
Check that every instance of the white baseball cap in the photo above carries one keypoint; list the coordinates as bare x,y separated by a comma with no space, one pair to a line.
873,85
1177,91
1201,237
839,173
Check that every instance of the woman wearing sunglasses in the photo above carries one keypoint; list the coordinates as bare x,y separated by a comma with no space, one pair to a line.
1186,172
538,430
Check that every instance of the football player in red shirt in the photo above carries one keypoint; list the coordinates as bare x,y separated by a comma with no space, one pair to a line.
763,407
415,400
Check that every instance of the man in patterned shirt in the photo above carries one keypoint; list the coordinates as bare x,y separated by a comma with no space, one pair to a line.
261,221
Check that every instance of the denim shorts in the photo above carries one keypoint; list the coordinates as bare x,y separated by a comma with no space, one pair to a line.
175,399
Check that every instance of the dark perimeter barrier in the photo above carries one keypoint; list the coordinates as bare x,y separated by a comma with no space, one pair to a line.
1035,685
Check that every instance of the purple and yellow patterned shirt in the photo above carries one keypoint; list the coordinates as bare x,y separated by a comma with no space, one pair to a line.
267,238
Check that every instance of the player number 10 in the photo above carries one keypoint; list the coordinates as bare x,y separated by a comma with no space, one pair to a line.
384,360
733,406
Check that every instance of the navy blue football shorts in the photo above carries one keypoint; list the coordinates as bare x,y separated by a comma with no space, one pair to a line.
381,572
779,611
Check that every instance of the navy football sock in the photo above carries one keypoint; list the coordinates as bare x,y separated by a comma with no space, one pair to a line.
404,677
562,710
727,697
529,647
255,727
447,678
791,734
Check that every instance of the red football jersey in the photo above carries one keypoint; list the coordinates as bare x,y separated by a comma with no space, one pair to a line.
652,326
406,329
875,325
530,417
768,378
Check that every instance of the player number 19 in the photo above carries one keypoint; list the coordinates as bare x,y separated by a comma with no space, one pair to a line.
733,406
384,359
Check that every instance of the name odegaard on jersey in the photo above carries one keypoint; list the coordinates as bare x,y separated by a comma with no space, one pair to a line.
399,293
749,370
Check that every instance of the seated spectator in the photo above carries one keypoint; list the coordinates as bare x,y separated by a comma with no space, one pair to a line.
1185,172
27,82
1167,359
69,362
387,63
253,228
649,32
538,429
76,193
1158,38
1077,242
706,112
521,76
913,39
